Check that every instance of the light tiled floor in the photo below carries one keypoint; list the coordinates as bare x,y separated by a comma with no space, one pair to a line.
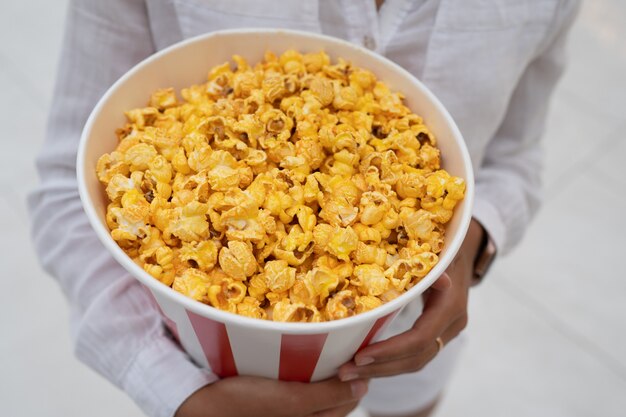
547,333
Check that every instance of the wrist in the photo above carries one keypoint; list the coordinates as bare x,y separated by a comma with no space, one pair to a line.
462,267
474,240
483,257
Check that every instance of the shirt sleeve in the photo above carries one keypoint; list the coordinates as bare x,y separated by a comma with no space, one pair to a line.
116,328
508,184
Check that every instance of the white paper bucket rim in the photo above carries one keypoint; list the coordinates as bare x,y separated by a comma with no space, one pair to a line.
452,246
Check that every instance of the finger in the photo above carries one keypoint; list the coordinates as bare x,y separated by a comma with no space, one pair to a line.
435,318
442,283
320,396
399,366
341,411
453,331
406,364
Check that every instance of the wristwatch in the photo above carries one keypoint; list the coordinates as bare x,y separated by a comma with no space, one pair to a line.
484,258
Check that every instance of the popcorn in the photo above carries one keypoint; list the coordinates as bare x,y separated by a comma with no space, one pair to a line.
293,190
119,184
189,223
367,303
226,294
342,242
139,156
279,276
193,283
341,305
202,255
130,220
295,312
251,307
163,99
370,278
237,260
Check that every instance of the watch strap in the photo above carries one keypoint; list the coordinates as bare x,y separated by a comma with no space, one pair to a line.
485,257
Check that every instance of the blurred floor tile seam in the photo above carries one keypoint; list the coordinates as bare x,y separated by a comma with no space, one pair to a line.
590,346
580,166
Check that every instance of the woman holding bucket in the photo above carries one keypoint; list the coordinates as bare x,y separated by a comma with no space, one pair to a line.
493,66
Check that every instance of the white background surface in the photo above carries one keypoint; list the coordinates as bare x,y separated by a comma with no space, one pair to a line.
547,331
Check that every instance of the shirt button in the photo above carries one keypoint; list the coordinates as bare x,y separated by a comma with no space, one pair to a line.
369,42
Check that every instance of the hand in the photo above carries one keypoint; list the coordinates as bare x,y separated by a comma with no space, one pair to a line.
444,315
245,396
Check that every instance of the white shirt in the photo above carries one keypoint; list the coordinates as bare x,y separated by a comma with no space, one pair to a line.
492,63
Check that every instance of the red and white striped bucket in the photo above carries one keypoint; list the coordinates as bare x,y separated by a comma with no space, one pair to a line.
230,348
227,343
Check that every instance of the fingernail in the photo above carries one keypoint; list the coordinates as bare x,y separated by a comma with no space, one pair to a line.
348,377
359,388
363,360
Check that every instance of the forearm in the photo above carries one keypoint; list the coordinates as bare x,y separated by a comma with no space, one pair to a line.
508,182
462,267
116,328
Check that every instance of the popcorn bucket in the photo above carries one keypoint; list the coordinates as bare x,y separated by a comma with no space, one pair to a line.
226,343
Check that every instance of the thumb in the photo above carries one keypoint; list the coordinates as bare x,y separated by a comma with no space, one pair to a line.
319,396
443,282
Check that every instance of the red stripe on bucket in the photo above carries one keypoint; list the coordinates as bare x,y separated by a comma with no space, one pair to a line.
376,328
215,344
299,355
